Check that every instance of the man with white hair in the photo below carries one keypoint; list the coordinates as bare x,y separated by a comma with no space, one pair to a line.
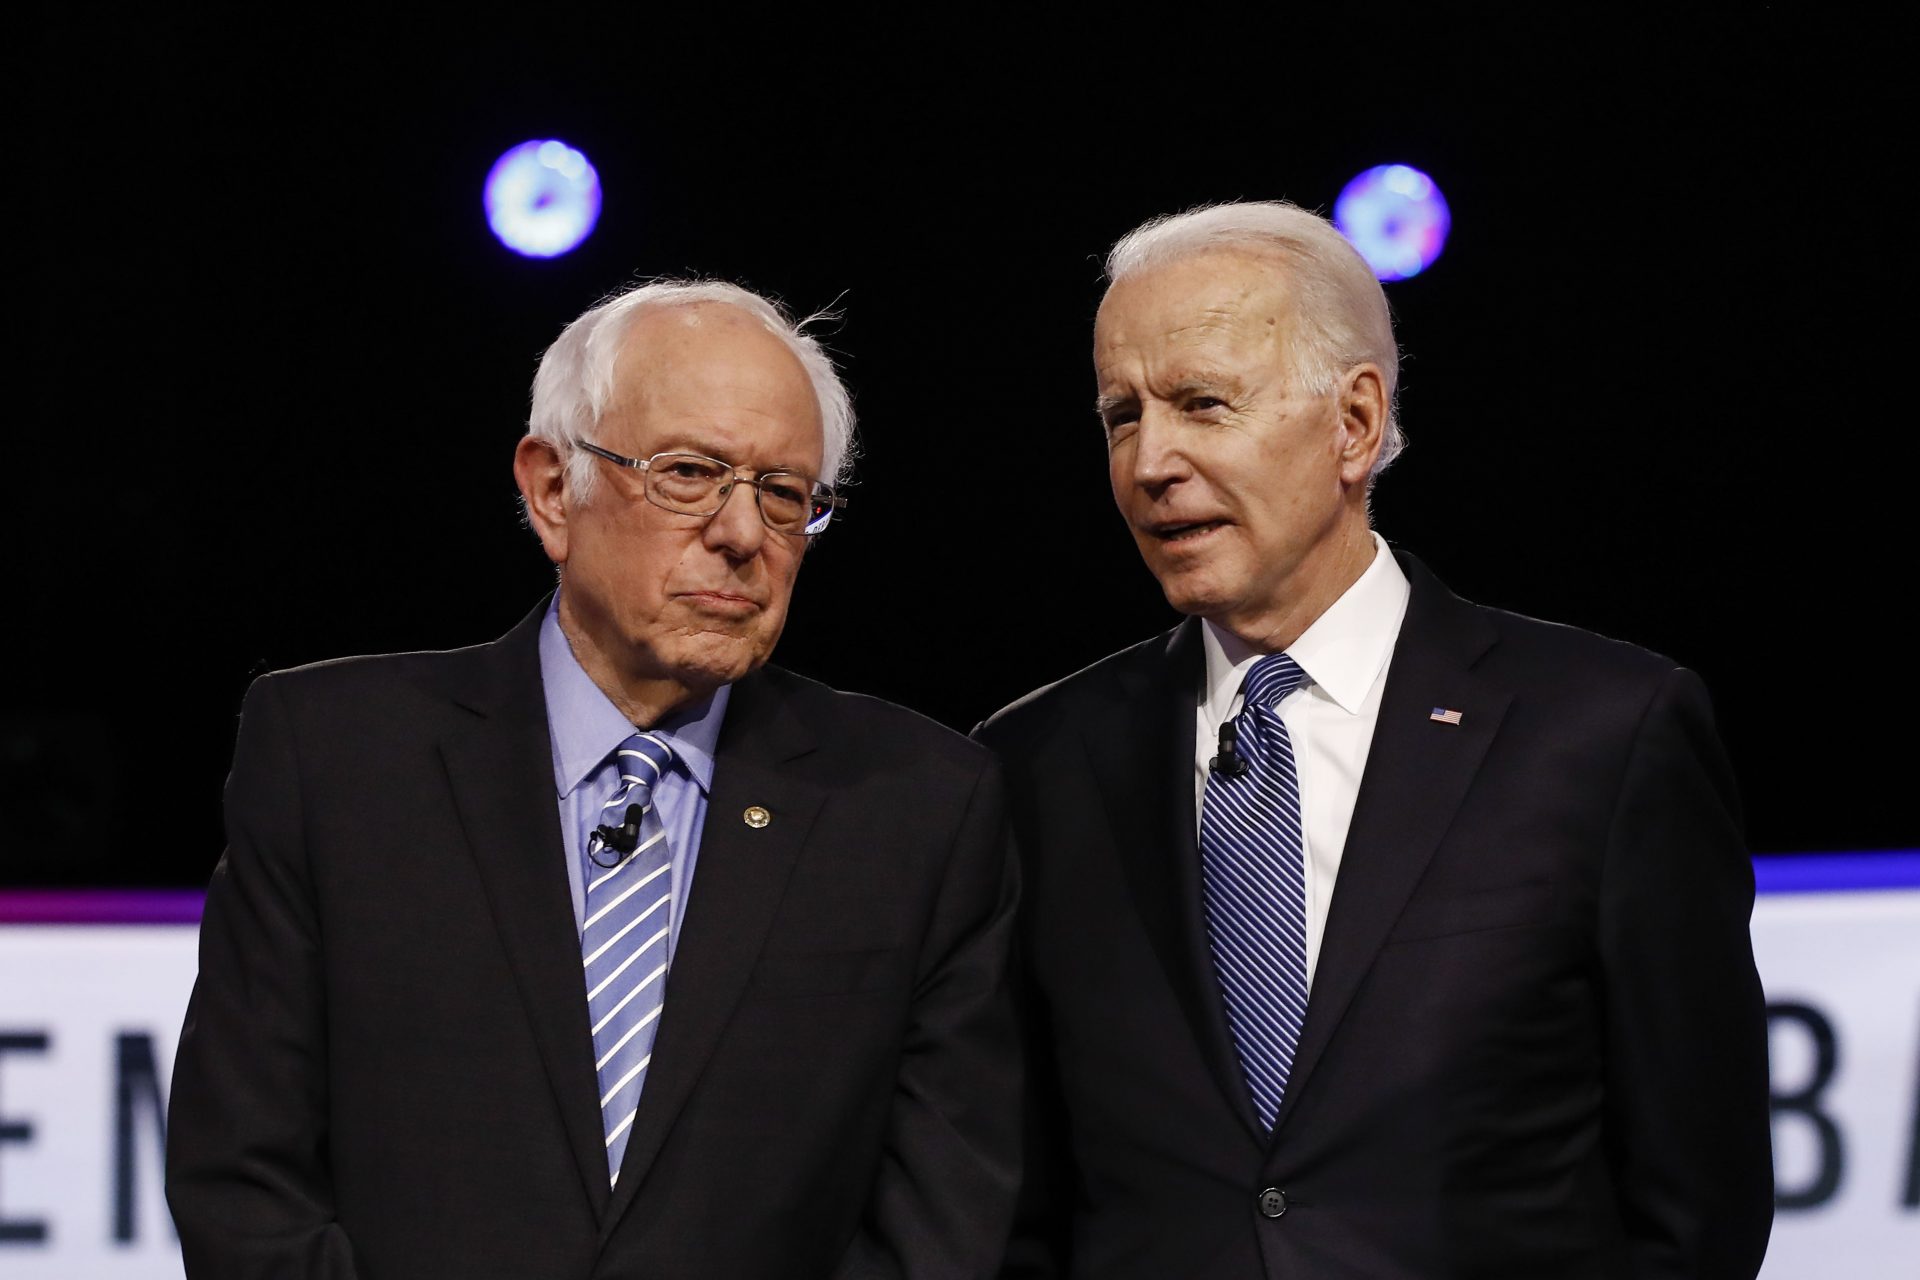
1369,932
607,949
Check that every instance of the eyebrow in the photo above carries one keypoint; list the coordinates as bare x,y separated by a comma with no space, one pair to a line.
777,468
1204,380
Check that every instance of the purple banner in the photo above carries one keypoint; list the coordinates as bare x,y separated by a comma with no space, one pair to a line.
1838,872
101,906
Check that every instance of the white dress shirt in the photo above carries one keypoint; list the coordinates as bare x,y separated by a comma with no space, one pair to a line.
1329,719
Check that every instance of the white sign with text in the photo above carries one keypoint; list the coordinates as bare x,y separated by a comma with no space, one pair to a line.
90,1014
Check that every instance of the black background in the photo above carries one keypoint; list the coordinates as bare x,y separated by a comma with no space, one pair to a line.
272,364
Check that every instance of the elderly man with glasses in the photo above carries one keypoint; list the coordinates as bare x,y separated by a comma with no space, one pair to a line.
607,949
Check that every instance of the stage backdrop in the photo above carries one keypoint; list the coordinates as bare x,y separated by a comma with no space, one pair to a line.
93,986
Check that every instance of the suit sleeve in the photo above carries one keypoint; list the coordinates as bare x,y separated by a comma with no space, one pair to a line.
943,1198
1686,1123
247,1176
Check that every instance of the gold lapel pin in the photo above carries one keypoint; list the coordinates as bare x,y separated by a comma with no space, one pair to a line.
756,817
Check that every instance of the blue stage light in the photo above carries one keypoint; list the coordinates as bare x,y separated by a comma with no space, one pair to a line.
542,198
1396,217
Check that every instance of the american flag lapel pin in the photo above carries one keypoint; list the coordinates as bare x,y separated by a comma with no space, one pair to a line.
1445,715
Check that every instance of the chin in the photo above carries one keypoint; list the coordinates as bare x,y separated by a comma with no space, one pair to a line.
1192,593
712,661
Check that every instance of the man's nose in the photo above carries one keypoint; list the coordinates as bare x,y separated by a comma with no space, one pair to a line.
1159,455
736,528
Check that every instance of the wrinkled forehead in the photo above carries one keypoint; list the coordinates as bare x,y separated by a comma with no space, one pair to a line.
707,345
1222,300
714,362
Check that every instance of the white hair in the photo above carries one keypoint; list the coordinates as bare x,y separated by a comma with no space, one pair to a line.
574,384
1340,306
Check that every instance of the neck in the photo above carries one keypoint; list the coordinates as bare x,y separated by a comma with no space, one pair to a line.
1309,592
645,700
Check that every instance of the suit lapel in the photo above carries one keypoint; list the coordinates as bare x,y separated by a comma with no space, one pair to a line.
1142,754
500,769
1418,771
739,880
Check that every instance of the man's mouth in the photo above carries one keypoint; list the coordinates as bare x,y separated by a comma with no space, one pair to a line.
1171,531
721,601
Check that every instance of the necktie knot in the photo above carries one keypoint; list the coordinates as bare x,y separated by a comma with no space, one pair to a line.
1271,679
641,759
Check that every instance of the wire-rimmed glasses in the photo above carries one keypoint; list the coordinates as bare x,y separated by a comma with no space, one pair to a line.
694,485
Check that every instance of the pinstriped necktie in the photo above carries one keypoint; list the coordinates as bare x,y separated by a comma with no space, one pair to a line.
624,941
1253,874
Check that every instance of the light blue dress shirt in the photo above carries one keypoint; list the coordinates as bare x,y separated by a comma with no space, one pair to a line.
585,728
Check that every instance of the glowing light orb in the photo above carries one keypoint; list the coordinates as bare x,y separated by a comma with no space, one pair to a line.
1396,217
542,198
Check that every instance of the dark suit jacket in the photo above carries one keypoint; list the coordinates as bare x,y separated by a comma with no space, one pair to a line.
387,1069
1535,1044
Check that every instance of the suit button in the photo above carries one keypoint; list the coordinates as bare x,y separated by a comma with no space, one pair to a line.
1273,1202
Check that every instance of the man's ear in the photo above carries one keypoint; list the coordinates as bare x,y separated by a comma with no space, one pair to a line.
541,473
1363,422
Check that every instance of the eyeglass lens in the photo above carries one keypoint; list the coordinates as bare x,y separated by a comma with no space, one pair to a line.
692,484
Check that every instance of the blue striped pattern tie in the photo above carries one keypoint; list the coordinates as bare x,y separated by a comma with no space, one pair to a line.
1253,874
624,941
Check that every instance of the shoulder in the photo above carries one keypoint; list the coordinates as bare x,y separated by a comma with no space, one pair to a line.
339,731
1568,683
1140,670
497,672
374,707
1574,654
370,678
902,779
1547,664
1590,678
866,725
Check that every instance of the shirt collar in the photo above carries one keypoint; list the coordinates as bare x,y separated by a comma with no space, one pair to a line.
1343,652
585,727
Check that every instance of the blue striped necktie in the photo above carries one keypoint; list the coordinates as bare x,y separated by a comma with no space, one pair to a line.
1253,875
624,941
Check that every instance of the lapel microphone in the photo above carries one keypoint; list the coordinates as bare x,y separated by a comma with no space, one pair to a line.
623,839
1229,763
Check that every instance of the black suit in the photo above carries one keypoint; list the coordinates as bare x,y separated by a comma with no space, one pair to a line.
1535,1043
387,1068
